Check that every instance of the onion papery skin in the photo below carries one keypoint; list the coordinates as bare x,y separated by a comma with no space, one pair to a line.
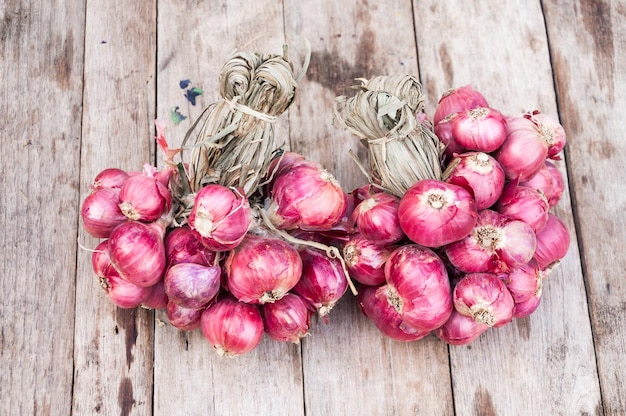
232,327
220,217
552,242
144,198
306,197
262,269
288,319
181,246
524,151
524,281
419,288
548,180
497,244
322,282
158,298
112,178
485,298
122,293
191,285
443,131
482,129
524,204
480,174
460,329
457,100
184,319
433,213
101,212
137,251
376,218
374,304
365,260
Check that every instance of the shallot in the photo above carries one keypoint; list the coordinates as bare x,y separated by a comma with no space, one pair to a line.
524,204
482,129
365,260
480,174
323,281
232,327
433,213
419,288
220,217
460,329
288,319
192,285
485,298
101,212
552,242
376,218
262,269
457,100
374,304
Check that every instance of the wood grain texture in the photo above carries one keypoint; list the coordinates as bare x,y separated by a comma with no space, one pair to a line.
589,61
40,110
190,378
544,364
113,348
349,367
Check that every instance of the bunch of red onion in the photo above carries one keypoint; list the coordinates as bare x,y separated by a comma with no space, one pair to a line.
239,266
460,254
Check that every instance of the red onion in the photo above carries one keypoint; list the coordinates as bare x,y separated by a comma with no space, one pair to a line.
288,319
262,269
100,261
456,100
497,244
184,319
123,293
524,204
460,329
548,180
365,260
220,217
482,129
433,213
307,197
527,307
158,298
181,246
100,212
232,327
485,298
192,285
374,304
323,281
480,174
552,132
110,178
137,251
443,131
376,218
524,150
552,242
144,198
524,281
419,288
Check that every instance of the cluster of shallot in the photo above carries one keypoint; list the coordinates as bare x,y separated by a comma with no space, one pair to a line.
238,267
457,255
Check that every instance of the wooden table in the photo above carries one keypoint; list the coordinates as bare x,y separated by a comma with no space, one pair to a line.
81,84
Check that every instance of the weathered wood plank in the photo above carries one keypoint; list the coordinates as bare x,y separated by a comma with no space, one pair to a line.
190,378
587,41
114,347
349,367
544,364
41,45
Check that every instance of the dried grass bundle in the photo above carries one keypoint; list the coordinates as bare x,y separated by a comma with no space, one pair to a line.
234,143
402,150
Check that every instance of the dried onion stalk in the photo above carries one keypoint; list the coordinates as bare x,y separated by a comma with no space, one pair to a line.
402,151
